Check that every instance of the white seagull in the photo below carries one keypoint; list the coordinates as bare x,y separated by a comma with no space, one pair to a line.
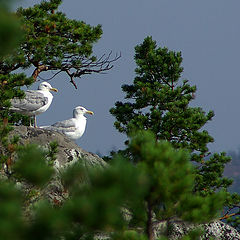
35,101
74,127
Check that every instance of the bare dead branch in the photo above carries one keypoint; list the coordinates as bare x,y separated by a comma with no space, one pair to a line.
71,77
87,66
48,79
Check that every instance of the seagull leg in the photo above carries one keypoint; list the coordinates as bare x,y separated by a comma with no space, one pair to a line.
35,121
30,122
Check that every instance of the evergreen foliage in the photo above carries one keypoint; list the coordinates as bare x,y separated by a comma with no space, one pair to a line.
52,42
11,224
10,83
171,179
117,201
32,165
158,100
10,30
91,208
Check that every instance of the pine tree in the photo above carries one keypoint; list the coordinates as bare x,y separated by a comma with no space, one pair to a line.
158,100
53,42
171,179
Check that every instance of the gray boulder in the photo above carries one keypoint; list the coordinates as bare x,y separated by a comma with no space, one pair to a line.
68,151
213,230
68,154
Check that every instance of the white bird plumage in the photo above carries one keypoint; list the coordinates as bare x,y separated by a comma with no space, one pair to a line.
74,127
35,102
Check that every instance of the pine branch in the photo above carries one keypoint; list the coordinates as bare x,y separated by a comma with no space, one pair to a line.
229,215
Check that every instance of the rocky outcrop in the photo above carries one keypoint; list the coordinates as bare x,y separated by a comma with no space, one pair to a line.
69,153
213,230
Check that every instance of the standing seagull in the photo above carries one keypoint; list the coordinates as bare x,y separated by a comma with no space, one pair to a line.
74,127
34,102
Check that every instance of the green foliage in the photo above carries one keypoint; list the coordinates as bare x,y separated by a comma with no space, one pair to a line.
52,151
115,200
232,213
11,224
10,35
32,166
129,235
234,221
158,100
171,181
10,87
195,208
48,223
210,174
53,42
74,176
171,172
194,235
98,205
10,31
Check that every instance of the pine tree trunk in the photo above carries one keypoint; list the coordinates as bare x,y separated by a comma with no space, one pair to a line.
149,229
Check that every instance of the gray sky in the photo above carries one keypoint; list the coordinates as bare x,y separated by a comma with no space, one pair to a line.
206,32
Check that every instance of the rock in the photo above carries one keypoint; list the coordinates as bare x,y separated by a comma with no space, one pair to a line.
216,230
68,154
68,151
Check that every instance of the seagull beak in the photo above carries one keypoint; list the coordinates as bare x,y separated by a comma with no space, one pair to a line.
90,112
53,89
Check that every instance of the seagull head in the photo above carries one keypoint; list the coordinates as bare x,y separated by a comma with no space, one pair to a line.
45,86
80,111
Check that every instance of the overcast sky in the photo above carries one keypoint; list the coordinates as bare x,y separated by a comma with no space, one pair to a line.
206,32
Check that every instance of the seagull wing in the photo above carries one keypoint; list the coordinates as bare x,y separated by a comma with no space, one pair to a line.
66,125
31,102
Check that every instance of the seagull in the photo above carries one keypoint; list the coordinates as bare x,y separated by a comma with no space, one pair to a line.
35,101
74,127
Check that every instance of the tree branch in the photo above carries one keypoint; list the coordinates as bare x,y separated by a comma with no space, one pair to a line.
39,69
229,215
71,77
88,66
